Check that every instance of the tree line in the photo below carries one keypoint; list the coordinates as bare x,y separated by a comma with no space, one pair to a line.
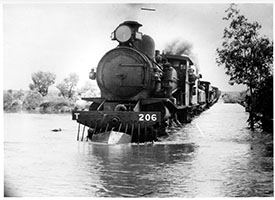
39,99
248,59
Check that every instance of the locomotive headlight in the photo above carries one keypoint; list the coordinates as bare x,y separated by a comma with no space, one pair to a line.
123,33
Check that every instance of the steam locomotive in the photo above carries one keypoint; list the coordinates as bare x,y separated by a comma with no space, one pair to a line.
143,91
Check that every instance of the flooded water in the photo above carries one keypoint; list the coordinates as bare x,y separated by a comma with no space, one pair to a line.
213,156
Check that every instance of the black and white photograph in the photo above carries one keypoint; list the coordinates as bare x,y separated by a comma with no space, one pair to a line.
137,99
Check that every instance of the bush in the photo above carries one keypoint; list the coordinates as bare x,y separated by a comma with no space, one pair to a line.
228,98
60,106
12,100
32,100
66,109
264,104
15,106
7,101
46,107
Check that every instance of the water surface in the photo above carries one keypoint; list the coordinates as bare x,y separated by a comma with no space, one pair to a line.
213,156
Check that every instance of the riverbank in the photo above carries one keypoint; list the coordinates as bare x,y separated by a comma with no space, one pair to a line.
262,143
31,101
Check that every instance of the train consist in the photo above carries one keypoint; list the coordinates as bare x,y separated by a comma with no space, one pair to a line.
143,91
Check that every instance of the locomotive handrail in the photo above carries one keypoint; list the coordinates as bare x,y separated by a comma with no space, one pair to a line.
157,65
99,107
133,65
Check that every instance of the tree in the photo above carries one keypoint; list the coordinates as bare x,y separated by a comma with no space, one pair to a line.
42,81
246,55
89,90
68,85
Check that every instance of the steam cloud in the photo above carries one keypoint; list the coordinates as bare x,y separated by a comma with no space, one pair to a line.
182,47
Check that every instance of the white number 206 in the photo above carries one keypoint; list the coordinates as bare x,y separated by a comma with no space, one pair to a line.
147,117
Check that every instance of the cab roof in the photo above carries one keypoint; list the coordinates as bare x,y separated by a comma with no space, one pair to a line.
180,57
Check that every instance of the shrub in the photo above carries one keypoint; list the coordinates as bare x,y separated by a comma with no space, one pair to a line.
12,100
32,100
7,101
46,107
56,106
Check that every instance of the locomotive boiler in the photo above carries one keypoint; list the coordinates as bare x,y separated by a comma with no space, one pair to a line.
142,90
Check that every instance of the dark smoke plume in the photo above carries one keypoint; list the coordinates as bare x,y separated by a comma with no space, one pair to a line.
182,47
179,47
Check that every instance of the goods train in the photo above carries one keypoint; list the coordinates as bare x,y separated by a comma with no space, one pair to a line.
143,91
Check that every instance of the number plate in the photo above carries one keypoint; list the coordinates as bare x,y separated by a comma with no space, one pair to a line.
148,117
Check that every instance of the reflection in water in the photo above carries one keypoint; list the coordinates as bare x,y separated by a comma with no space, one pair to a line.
213,156
140,170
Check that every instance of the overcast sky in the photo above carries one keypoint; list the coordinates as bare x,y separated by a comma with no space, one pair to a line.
71,38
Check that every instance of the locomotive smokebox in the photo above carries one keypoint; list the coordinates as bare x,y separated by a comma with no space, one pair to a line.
124,73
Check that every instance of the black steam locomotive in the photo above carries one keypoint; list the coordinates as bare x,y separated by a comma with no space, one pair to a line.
142,90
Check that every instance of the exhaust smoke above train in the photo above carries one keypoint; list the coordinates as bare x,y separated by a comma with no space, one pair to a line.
182,47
